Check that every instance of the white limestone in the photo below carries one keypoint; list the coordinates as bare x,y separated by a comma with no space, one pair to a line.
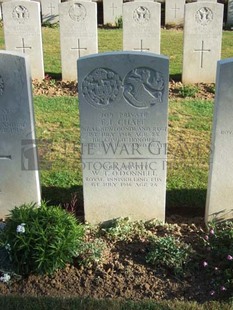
141,26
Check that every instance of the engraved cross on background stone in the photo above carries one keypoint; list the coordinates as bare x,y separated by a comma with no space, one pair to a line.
79,48
142,48
175,9
51,7
9,157
202,50
24,47
113,7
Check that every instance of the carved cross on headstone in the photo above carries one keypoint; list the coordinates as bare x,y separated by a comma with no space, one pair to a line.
51,7
9,157
113,7
141,49
24,47
202,50
175,9
79,48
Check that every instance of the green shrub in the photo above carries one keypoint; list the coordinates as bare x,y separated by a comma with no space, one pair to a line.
119,22
217,260
168,253
40,240
188,91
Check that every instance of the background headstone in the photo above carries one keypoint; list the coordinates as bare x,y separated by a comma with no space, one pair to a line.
112,11
219,202
22,32
202,41
174,12
18,157
78,34
123,101
230,13
50,11
141,26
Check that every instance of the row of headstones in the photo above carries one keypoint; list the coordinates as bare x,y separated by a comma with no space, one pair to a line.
123,102
174,11
78,34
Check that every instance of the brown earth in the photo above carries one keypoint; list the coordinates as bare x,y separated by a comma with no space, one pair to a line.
123,273
51,87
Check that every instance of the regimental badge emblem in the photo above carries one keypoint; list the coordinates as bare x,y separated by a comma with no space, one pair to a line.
20,14
77,12
143,87
204,16
141,15
101,87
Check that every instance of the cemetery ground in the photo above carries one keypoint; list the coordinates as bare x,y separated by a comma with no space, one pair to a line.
114,265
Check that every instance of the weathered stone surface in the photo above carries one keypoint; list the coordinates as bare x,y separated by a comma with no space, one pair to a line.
112,11
123,100
219,202
141,26
19,182
202,41
22,32
50,11
174,12
78,34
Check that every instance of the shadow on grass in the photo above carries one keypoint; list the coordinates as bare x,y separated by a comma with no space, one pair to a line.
186,202
54,76
176,77
69,198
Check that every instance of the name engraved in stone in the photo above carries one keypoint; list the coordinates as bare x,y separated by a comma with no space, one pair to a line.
226,132
141,15
204,16
77,12
1,86
101,87
20,14
143,87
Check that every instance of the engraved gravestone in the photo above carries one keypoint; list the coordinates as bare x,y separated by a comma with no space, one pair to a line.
112,11
22,32
202,41
219,203
141,26
78,34
230,13
19,182
174,12
123,101
50,13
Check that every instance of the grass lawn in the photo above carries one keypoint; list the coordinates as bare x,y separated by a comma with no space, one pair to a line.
57,125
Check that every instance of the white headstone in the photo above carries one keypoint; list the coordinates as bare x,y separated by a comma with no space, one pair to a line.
141,26
219,202
112,11
18,156
230,13
78,34
123,101
174,12
22,32
50,13
202,41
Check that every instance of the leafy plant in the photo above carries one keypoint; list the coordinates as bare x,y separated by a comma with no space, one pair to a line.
188,91
119,22
168,253
217,260
91,252
40,239
123,229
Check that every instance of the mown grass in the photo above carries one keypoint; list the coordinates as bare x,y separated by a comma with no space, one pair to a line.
38,303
